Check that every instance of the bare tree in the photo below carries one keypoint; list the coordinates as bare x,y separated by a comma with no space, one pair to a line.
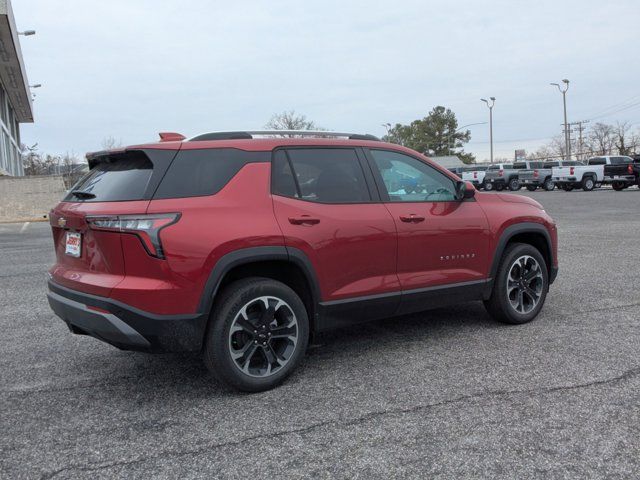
291,121
110,142
621,134
601,138
543,153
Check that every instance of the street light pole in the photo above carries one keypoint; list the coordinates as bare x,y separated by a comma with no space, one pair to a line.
567,145
490,105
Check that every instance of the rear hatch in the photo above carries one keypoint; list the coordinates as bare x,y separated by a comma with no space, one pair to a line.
119,183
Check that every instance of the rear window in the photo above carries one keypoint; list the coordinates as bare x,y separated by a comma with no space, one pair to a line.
195,173
551,164
519,166
597,161
119,177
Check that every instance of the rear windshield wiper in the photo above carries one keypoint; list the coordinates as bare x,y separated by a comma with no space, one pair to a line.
82,194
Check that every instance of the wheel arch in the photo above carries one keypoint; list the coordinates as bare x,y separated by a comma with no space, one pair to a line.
285,264
531,233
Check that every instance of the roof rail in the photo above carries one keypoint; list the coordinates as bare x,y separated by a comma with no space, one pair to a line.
249,134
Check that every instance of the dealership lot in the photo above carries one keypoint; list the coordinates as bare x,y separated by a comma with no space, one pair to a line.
445,393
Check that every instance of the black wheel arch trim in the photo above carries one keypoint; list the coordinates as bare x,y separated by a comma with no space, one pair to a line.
519,228
256,254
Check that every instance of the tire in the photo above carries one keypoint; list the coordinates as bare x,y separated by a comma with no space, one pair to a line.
488,186
549,185
505,301
618,186
252,295
532,188
499,187
514,185
568,188
588,184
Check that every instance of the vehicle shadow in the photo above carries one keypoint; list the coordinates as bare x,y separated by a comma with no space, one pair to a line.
185,374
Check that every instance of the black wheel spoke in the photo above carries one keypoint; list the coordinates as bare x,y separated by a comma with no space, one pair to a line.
245,358
283,332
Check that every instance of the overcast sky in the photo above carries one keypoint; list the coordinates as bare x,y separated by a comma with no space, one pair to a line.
130,69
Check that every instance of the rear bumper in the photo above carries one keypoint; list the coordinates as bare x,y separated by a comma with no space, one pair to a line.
123,326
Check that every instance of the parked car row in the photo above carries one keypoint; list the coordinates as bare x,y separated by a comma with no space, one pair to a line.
618,171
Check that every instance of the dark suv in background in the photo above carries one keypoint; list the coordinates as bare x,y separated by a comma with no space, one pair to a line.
243,247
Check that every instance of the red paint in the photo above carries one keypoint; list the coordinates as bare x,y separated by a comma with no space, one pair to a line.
355,250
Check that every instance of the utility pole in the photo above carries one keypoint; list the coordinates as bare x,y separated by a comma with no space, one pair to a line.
562,90
490,105
580,128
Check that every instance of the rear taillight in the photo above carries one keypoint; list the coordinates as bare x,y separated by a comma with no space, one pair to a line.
475,174
146,227
536,174
571,170
500,173
630,169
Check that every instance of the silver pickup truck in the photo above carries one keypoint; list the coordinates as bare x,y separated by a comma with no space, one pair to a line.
541,174
504,175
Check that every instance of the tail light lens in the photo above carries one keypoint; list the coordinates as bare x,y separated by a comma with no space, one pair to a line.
630,169
500,173
475,174
571,170
536,174
145,227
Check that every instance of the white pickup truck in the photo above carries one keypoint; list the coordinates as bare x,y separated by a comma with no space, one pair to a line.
586,176
475,175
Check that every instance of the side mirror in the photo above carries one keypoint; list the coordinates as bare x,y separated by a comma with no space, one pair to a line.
464,190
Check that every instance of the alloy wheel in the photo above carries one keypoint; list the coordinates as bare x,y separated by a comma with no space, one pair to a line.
263,336
525,284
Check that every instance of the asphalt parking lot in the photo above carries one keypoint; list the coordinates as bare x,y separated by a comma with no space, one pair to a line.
448,393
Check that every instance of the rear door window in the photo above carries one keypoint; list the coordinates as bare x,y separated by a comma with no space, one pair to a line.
323,175
119,177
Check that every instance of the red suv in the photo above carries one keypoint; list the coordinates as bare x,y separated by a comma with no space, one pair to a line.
242,246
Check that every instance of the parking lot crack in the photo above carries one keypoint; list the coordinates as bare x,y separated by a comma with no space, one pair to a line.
625,376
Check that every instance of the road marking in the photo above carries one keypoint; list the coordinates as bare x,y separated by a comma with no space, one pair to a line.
24,227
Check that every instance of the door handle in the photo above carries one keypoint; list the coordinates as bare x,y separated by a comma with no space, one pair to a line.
413,218
303,220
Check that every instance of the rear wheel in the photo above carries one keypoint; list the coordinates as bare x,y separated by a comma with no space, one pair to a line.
488,186
257,335
532,188
514,185
549,185
520,286
588,183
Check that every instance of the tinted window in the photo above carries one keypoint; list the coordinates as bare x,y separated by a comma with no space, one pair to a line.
119,177
407,179
195,173
597,161
519,166
324,175
282,176
620,160
551,164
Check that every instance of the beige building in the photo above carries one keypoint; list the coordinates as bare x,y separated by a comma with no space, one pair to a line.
15,97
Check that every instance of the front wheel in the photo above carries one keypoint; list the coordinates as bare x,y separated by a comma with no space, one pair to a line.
520,286
532,188
618,186
499,187
549,185
257,335
488,186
